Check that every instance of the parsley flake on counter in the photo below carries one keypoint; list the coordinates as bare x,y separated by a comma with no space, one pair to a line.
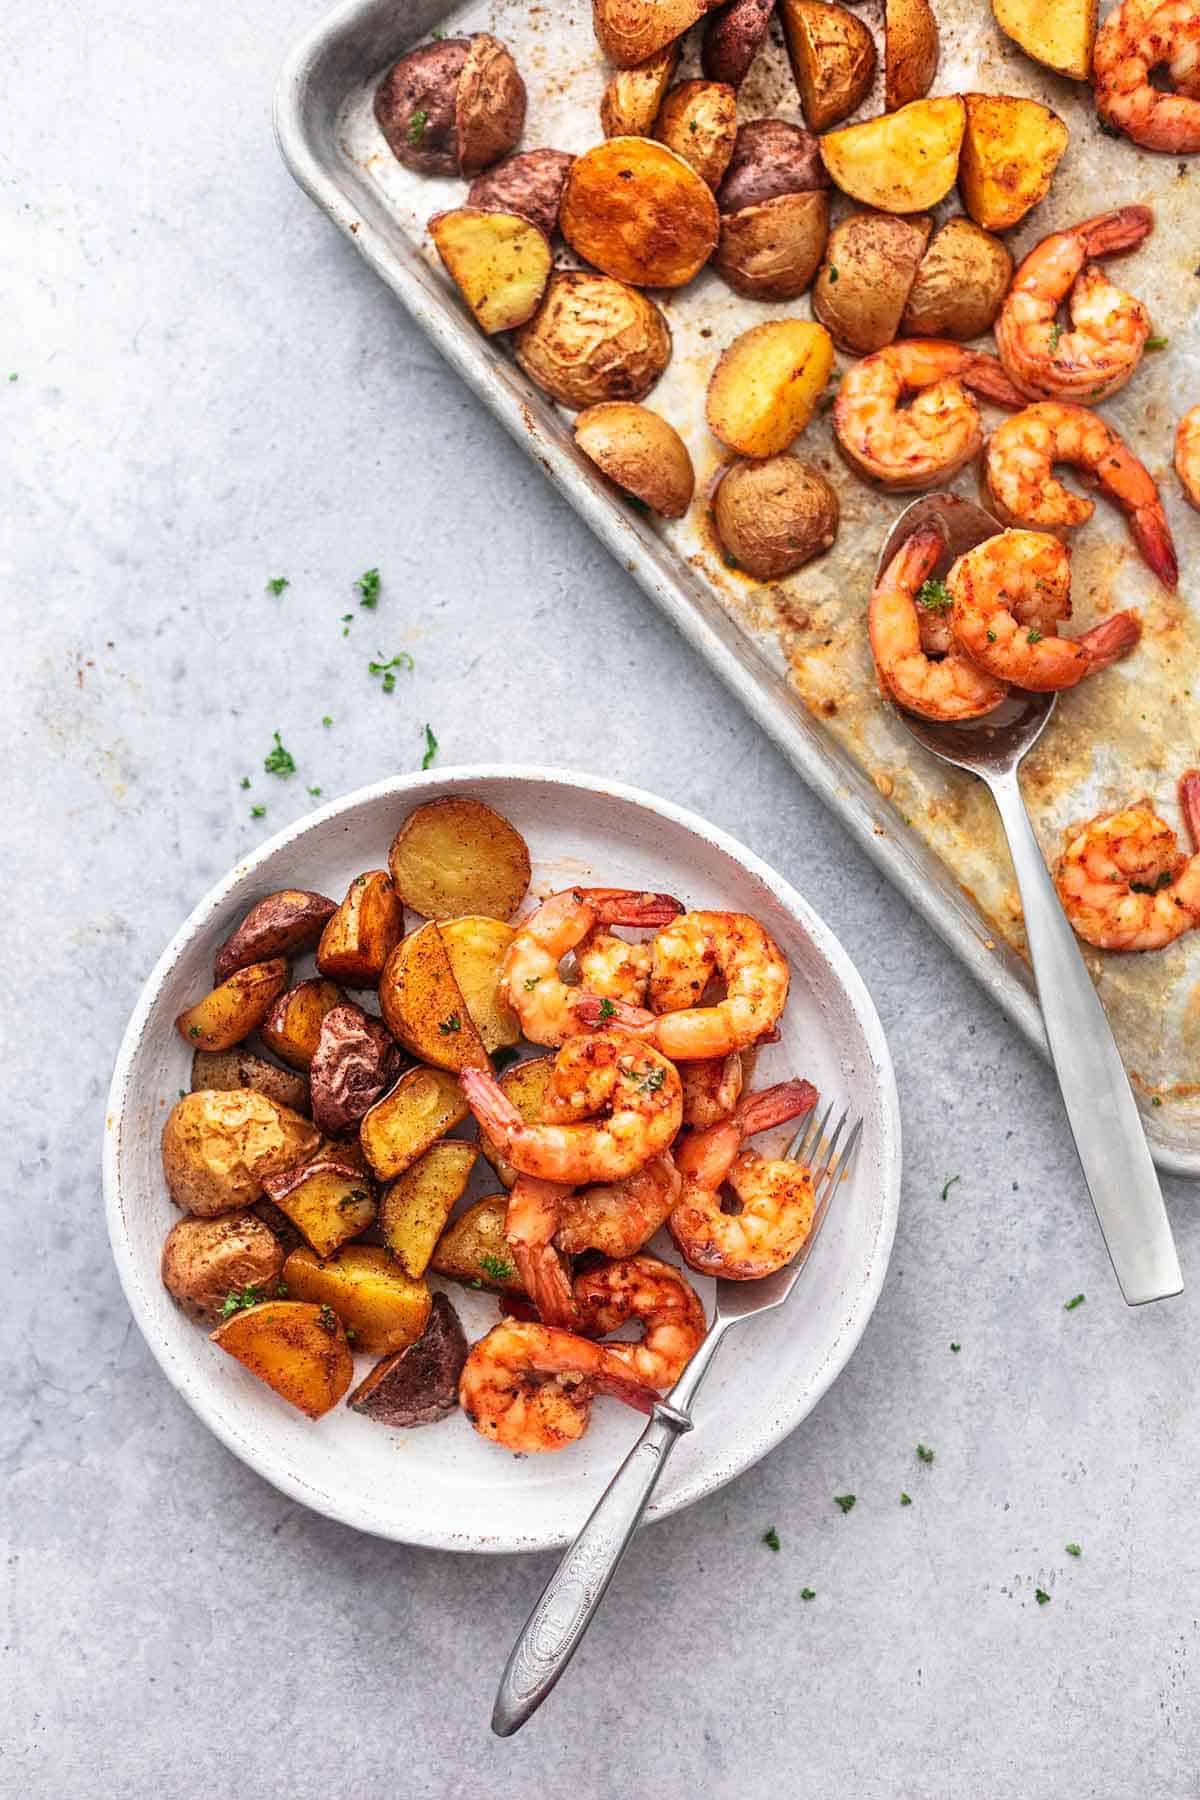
431,749
845,1501
279,761
934,596
1074,1549
949,1185
326,720
1041,1596
1157,343
277,584
14,378
924,1453
245,781
905,1499
496,1267
388,669
501,1058
956,1348
1074,1301
808,1593
258,812
770,1538
369,584
315,792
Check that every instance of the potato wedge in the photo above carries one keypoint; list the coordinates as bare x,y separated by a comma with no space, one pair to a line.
354,1063
771,157
911,49
901,162
772,251
1010,150
525,1084
476,947
960,285
639,213
529,184
422,1107
206,1260
417,1385
733,36
628,31
234,1009
489,104
363,931
380,1307
413,1209
328,1201
455,856
593,339
1059,33
630,102
240,1069
764,388
282,924
641,452
499,261
832,54
297,1349
871,262
219,1148
423,1006
474,1249
698,121
292,1028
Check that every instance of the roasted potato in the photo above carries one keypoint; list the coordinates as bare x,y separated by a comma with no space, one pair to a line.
413,1209
901,162
422,1107
593,339
456,855
525,1084
960,285
1058,33
641,452
240,1069
328,1200
698,121
474,1249
771,157
833,59
381,1309
911,48
628,31
234,1009
630,102
292,1028
423,1006
417,1385
206,1260
451,108
772,517
282,924
529,183
732,38
499,262
870,264
297,1349
476,946
363,931
763,390
354,1062
1011,148
278,1224
639,213
774,208
218,1148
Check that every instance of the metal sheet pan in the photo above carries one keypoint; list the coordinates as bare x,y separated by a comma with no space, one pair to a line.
795,652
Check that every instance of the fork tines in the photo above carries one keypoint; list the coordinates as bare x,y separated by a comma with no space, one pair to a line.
807,1144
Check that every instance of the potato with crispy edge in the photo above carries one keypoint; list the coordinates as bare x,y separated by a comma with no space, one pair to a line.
698,121
1011,148
206,1260
474,1249
774,207
354,1062
529,184
283,924
419,1384
241,1069
960,285
371,1295
329,1200
476,946
628,31
630,102
453,107
774,516
422,1107
414,1208
297,1349
641,452
423,1006
639,213
593,339
363,931
499,261
911,49
1059,33
833,59
733,36
234,1009
525,1085
871,262
900,162
292,1028
219,1147
764,388
456,855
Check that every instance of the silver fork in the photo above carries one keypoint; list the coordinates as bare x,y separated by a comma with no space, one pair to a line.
572,1596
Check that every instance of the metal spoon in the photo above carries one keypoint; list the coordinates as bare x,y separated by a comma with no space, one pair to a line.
1101,1109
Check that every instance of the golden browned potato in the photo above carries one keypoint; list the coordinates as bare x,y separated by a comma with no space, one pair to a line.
765,386
413,1209
474,1248
417,1385
240,1069
354,1062
234,1009
628,31
594,339
529,183
363,931
328,1200
282,924
870,264
630,102
422,1107
639,212
832,55
732,38
698,121
1059,33
641,452
297,1349
1010,151
960,285
525,1085
218,1148
911,47
901,162
476,946
423,1006
204,1261
372,1296
451,108
499,262
772,517
456,855
774,207
489,105
292,1028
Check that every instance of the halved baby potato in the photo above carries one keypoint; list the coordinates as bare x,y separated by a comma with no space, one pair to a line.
763,390
639,213
960,285
454,856
423,1006
911,50
298,1349
422,1107
366,1288
292,1028
475,1249
476,946
1011,148
832,55
234,1009
525,1085
641,452
282,924
414,1209
499,261
362,932
698,121
871,261
900,162
772,250
219,1147
629,105
628,31
329,1201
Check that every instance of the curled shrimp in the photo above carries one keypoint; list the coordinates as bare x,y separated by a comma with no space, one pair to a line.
613,968
952,688
533,1216
618,1217
612,1102
529,975
1021,455
1187,454
923,445
996,588
775,1198
1138,37
1109,327
530,1387
1123,880
661,1299
712,1088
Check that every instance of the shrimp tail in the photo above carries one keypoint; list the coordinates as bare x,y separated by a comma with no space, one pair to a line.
490,1104
623,1387
1189,803
1152,535
1112,233
593,1009
775,1106
1110,640
616,906
985,376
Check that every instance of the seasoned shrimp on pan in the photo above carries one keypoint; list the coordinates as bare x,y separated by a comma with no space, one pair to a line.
529,975
618,1217
659,1298
530,1387
774,1199
1187,453
998,621
1123,880
1109,327
922,445
1138,37
1021,455
949,688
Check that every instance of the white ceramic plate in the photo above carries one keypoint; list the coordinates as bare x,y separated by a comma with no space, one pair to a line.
443,1485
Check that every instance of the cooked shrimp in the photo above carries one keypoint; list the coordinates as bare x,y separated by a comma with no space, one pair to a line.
1123,880
530,1387
775,1198
613,968
923,445
619,1216
997,588
1187,454
1109,327
711,1089
661,1299
612,1102
533,1216
1138,37
529,975
1021,455
952,688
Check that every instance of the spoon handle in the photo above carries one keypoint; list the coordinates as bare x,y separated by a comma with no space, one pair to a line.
1101,1109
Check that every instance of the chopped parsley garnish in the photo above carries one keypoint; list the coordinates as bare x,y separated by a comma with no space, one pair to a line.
241,1298
277,584
637,503
431,749
315,792
949,1185
1041,1596
651,1082
1055,334
531,982
452,1024
326,721
1074,1549
258,812
507,1053
1156,1100
279,761
388,669
934,595
353,1198
956,1348
1076,1300
1033,635
14,378
845,1501
607,1009
351,1334
770,1538
416,126
369,583
808,1593
496,1267
193,1031
1152,887
905,1499
833,275
991,637
245,781
327,1318
1157,343
924,1453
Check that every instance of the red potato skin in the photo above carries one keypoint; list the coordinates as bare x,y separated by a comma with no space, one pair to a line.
733,36
417,1385
356,1060
770,157
529,184
424,81
283,924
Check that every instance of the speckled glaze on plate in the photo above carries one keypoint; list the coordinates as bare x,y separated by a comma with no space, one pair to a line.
443,1486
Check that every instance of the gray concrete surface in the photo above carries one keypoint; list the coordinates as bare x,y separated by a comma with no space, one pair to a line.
213,390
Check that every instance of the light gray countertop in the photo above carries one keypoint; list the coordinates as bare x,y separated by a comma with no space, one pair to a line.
212,390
